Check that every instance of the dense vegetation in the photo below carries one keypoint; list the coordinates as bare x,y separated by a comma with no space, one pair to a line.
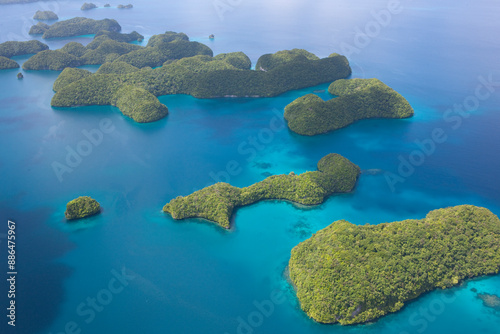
39,29
6,63
139,104
103,48
270,61
82,207
119,37
51,60
80,26
108,46
335,174
134,102
11,49
352,274
70,75
357,99
88,6
164,47
200,76
45,15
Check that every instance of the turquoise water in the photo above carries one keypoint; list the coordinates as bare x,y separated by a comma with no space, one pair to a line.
189,276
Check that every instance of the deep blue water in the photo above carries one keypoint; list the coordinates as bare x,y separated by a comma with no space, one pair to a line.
189,276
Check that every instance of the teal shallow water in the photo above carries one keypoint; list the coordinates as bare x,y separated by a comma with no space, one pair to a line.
191,277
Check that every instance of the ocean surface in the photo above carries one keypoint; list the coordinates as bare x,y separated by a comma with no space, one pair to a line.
133,269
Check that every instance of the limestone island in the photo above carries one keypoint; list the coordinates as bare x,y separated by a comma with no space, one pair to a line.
107,5
106,46
353,274
270,61
357,99
78,26
88,6
6,63
211,36
45,15
39,29
125,6
201,76
82,207
12,48
20,75
216,203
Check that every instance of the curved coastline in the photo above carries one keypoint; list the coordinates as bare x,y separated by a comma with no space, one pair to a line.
354,274
216,203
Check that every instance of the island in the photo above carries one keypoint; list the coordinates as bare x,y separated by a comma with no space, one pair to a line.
88,6
6,63
78,26
357,99
82,207
13,48
272,60
125,6
212,36
45,15
39,29
353,274
216,203
107,5
106,46
201,76
20,76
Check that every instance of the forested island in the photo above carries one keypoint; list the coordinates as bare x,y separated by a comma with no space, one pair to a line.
106,46
45,15
77,26
82,207
38,29
352,274
12,48
6,63
216,203
357,99
202,76
88,6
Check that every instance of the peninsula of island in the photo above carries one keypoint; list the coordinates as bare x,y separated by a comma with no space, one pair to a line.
6,63
12,48
88,6
82,207
356,99
201,76
353,274
216,203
